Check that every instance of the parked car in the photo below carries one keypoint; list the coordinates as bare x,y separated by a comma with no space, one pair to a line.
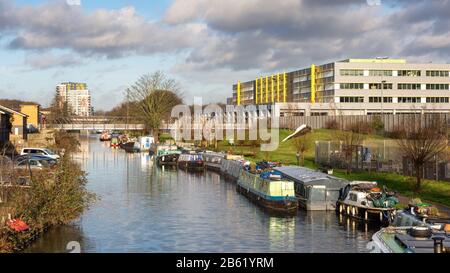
49,160
33,164
40,151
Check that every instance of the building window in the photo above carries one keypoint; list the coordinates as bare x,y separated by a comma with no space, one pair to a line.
378,99
409,100
351,99
437,86
409,73
380,73
352,86
437,100
408,86
380,86
352,72
437,73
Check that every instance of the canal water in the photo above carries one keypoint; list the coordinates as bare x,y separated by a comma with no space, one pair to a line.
143,208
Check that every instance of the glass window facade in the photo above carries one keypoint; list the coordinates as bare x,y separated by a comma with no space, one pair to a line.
437,86
380,73
351,99
352,72
409,100
437,99
352,86
409,73
409,86
437,73
378,99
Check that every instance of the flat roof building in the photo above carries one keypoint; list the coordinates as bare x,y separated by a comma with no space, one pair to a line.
77,96
352,87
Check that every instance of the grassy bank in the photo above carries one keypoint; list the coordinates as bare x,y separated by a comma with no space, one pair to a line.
54,196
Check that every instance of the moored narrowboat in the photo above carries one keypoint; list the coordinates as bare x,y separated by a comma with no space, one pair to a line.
365,201
314,190
412,239
269,192
191,162
129,147
114,142
231,166
213,160
105,136
167,155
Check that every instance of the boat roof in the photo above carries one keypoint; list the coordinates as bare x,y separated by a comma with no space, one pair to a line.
311,177
210,153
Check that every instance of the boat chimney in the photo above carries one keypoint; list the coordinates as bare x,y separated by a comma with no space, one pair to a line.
438,243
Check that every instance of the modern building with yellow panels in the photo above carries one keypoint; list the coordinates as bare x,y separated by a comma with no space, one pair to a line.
77,96
352,87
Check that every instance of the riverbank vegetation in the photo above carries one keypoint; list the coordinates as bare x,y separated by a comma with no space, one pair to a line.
52,197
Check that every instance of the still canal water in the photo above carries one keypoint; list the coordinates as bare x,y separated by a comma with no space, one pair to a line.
143,208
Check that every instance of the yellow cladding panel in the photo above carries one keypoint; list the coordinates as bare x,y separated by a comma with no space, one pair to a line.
284,87
261,89
278,87
313,83
256,91
17,120
273,90
267,89
239,93
32,111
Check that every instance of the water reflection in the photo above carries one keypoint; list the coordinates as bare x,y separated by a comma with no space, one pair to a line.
144,208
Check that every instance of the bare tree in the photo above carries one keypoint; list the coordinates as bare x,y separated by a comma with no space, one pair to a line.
350,139
420,141
302,144
154,96
59,110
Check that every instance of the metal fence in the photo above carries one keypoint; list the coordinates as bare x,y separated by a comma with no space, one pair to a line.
390,122
378,156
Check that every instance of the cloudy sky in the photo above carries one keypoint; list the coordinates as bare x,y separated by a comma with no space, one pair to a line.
207,45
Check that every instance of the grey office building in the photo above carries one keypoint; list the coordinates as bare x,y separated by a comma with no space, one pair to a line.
352,87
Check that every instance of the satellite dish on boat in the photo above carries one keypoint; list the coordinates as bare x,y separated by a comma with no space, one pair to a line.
302,130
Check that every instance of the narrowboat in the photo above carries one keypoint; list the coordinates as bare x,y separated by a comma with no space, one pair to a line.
114,142
191,162
167,155
213,160
144,143
268,190
129,147
365,201
231,166
410,240
105,136
420,228
314,190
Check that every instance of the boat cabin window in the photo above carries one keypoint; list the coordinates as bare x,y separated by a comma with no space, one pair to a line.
317,194
353,197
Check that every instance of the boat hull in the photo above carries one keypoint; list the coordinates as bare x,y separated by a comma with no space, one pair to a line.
378,215
169,159
191,166
273,205
213,167
129,147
